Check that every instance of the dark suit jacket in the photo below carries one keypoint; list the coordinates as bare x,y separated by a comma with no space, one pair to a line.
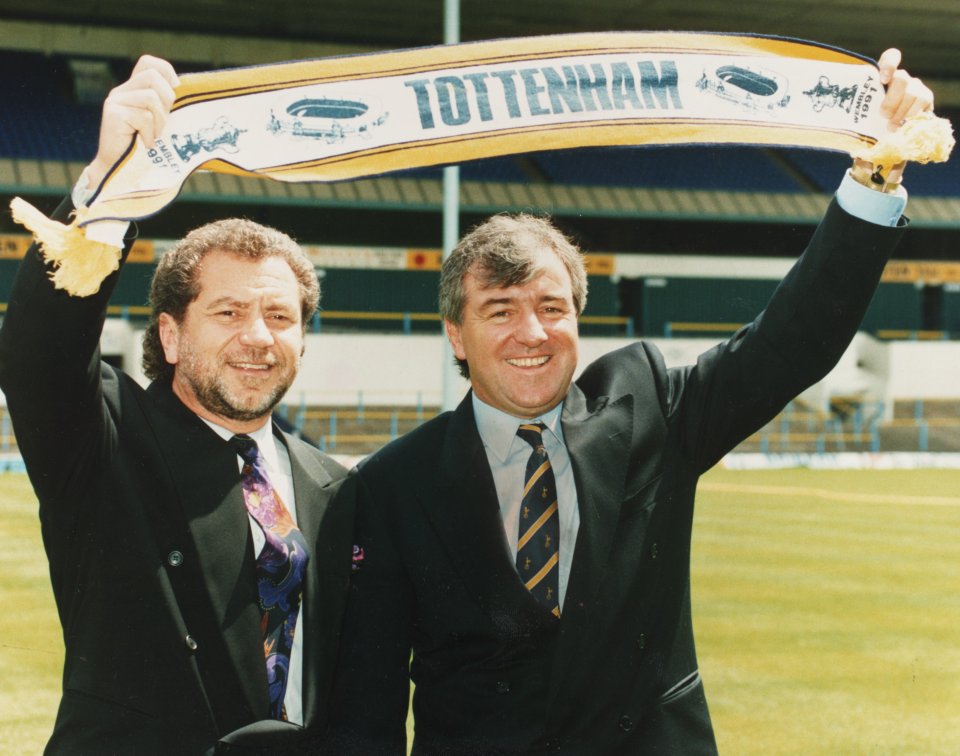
148,541
618,673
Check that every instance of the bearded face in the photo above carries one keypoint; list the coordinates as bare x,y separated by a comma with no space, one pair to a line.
243,386
237,350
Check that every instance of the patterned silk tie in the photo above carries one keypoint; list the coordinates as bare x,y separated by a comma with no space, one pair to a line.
538,547
281,566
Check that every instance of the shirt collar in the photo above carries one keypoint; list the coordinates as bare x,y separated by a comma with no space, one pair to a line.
498,429
262,435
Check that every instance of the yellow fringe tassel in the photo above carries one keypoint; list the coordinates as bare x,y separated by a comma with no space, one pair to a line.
80,264
923,138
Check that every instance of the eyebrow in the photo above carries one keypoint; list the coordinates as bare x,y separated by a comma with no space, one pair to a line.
237,304
493,301
497,301
242,304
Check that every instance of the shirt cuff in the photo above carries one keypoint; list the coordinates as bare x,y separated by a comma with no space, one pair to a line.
81,194
868,204
108,232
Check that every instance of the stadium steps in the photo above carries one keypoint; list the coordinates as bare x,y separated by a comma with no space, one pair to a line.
801,428
927,424
934,427
356,431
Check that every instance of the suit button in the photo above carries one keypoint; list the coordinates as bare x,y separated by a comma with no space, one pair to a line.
625,723
191,643
175,558
654,550
552,746
503,686
642,641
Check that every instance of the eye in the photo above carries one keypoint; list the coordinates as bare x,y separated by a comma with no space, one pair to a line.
281,318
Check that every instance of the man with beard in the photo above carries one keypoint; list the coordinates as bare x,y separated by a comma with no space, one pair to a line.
198,556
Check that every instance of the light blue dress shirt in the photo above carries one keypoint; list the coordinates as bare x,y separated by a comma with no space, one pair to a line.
507,454
870,205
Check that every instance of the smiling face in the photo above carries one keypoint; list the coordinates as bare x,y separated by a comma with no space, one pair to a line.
520,342
238,347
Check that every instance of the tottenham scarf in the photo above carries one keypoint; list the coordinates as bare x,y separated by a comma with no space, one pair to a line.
343,118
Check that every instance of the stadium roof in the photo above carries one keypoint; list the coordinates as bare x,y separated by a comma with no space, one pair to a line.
926,30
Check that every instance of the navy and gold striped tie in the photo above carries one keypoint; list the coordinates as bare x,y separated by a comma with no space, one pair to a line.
538,547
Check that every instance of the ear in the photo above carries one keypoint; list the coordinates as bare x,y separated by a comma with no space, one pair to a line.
169,331
453,336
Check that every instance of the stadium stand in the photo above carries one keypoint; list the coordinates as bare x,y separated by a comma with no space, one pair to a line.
723,168
50,124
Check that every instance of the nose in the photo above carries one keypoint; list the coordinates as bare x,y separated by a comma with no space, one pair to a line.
530,331
256,334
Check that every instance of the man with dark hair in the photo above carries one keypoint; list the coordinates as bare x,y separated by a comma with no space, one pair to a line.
198,556
499,249
531,548
175,281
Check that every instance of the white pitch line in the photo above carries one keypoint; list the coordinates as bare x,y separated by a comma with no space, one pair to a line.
825,493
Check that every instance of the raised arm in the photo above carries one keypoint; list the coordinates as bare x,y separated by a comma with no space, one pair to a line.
50,366
809,322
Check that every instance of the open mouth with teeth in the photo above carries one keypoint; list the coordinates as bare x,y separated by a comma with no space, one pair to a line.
255,363
529,361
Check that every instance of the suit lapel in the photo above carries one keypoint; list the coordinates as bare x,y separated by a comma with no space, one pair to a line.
206,476
598,441
465,514
309,476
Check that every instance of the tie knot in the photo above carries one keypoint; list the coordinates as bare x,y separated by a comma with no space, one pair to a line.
532,433
246,447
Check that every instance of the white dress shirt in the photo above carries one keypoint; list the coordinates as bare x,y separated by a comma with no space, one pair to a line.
277,460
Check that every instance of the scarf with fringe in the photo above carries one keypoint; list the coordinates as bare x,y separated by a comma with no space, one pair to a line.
358,116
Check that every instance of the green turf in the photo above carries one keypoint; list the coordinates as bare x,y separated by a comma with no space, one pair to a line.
826,606
31,646
827,610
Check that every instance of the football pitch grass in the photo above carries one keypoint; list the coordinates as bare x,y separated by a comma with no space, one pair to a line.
826,609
